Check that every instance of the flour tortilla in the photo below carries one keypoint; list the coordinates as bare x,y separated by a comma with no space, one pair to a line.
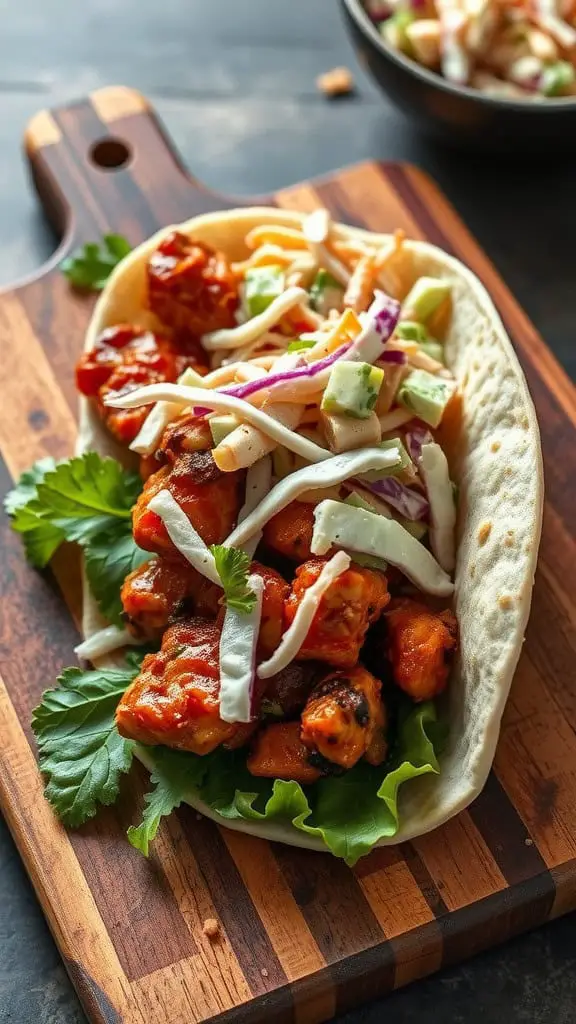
498,469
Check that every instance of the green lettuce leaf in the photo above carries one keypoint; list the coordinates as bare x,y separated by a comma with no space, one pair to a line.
82,755
351,812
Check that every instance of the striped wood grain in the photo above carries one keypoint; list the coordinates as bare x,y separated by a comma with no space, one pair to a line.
302,937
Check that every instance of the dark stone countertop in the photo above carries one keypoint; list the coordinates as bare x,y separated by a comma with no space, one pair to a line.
234,83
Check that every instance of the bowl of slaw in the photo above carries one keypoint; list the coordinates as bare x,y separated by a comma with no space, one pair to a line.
460,101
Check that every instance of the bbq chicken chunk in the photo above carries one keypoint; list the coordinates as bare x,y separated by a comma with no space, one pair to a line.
124,358
182,436
175,699
345,719
278,753
275,593
289,532
161,591
421,644
185,434
191,286
352,602
273,597
211,500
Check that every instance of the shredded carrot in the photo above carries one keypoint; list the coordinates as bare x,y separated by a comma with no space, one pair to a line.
350,252
275,234
346,329
360,288
388,251
264,256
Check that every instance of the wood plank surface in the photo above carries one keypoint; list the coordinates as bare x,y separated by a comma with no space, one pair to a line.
303,937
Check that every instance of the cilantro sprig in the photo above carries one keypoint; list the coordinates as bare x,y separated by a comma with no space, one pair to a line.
82,755
86,500
89,267
233,567
174,776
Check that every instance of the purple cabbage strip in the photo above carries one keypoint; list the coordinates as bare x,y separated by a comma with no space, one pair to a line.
393,356
410,504
415,438
310,370
270,379
385,312
381,320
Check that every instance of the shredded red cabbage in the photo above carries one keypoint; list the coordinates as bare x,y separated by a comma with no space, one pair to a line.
308,370
381,320
410,504
415,438
393,356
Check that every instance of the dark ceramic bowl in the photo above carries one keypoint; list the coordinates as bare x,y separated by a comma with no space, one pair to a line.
456,114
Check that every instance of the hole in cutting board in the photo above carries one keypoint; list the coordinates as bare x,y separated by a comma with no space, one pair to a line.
110,154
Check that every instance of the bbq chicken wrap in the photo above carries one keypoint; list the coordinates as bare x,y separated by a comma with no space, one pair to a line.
316,493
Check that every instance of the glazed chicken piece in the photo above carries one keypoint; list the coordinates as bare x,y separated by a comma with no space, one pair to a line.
421,645
211,500
345,719
273,597
185,434
290,531
352,602
191,286
124,358
160,591
278,753
275,593
175,699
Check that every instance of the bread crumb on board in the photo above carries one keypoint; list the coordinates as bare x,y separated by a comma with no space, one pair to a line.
264,972
336,82
211,928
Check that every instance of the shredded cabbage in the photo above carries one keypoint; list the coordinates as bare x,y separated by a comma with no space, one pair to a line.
238,657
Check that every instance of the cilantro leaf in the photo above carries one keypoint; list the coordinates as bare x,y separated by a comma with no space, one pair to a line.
109,557
85,493
89,267
25,489
82,755
174,775
73,500
41,538
233,566
87,500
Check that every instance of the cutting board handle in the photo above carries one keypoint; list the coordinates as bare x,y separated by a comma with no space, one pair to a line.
106,165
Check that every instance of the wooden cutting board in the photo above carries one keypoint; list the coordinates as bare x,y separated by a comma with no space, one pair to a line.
303,937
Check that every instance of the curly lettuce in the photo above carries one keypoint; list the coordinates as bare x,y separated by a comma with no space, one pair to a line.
350,813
